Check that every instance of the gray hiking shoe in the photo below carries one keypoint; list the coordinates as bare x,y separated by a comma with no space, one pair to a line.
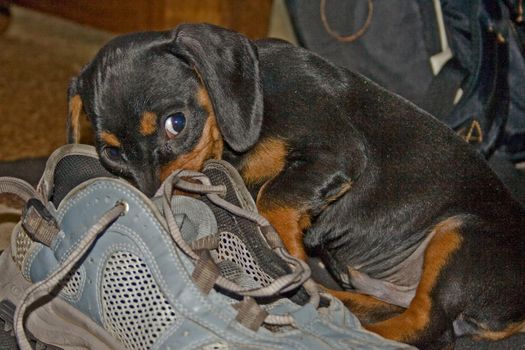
96,264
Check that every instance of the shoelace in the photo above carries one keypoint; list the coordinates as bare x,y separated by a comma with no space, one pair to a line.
300,275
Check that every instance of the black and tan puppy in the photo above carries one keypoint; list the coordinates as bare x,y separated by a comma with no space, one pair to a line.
399,207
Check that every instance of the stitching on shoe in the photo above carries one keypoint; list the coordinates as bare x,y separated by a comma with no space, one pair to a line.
79,196
169,331
30,259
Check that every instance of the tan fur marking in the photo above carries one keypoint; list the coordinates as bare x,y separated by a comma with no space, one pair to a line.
361,304
110,139
265,161
148,123
75,107
203,98
518,327
290,224
416,318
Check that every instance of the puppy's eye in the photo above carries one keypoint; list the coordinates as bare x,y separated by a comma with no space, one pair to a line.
113,153
174,124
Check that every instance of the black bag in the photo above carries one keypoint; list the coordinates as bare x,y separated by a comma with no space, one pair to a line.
463,60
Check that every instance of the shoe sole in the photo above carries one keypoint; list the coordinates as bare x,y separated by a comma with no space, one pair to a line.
53,323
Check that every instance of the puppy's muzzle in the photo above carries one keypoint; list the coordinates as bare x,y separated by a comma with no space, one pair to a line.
147,181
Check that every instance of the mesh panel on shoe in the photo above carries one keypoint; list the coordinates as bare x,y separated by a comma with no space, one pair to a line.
135,310
232,249
22,246
244,231
71,171
261,257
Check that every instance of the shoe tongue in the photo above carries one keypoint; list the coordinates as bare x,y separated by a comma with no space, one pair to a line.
71,170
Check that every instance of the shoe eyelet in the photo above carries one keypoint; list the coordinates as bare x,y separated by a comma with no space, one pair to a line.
126,206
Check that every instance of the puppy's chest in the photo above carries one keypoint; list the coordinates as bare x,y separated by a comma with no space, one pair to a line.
264,161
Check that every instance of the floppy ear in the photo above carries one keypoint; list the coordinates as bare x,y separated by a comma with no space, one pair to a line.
228,65
73,113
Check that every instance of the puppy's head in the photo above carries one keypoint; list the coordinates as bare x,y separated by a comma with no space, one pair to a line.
160,101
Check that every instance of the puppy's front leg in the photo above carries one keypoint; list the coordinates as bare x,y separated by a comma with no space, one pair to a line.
292,200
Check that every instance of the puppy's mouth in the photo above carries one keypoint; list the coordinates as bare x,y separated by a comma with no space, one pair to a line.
147,181
149,178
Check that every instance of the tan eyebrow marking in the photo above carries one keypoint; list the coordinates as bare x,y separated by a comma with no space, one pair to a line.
110,139
75,108
148,123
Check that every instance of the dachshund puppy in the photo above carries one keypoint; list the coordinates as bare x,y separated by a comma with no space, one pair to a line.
426,241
